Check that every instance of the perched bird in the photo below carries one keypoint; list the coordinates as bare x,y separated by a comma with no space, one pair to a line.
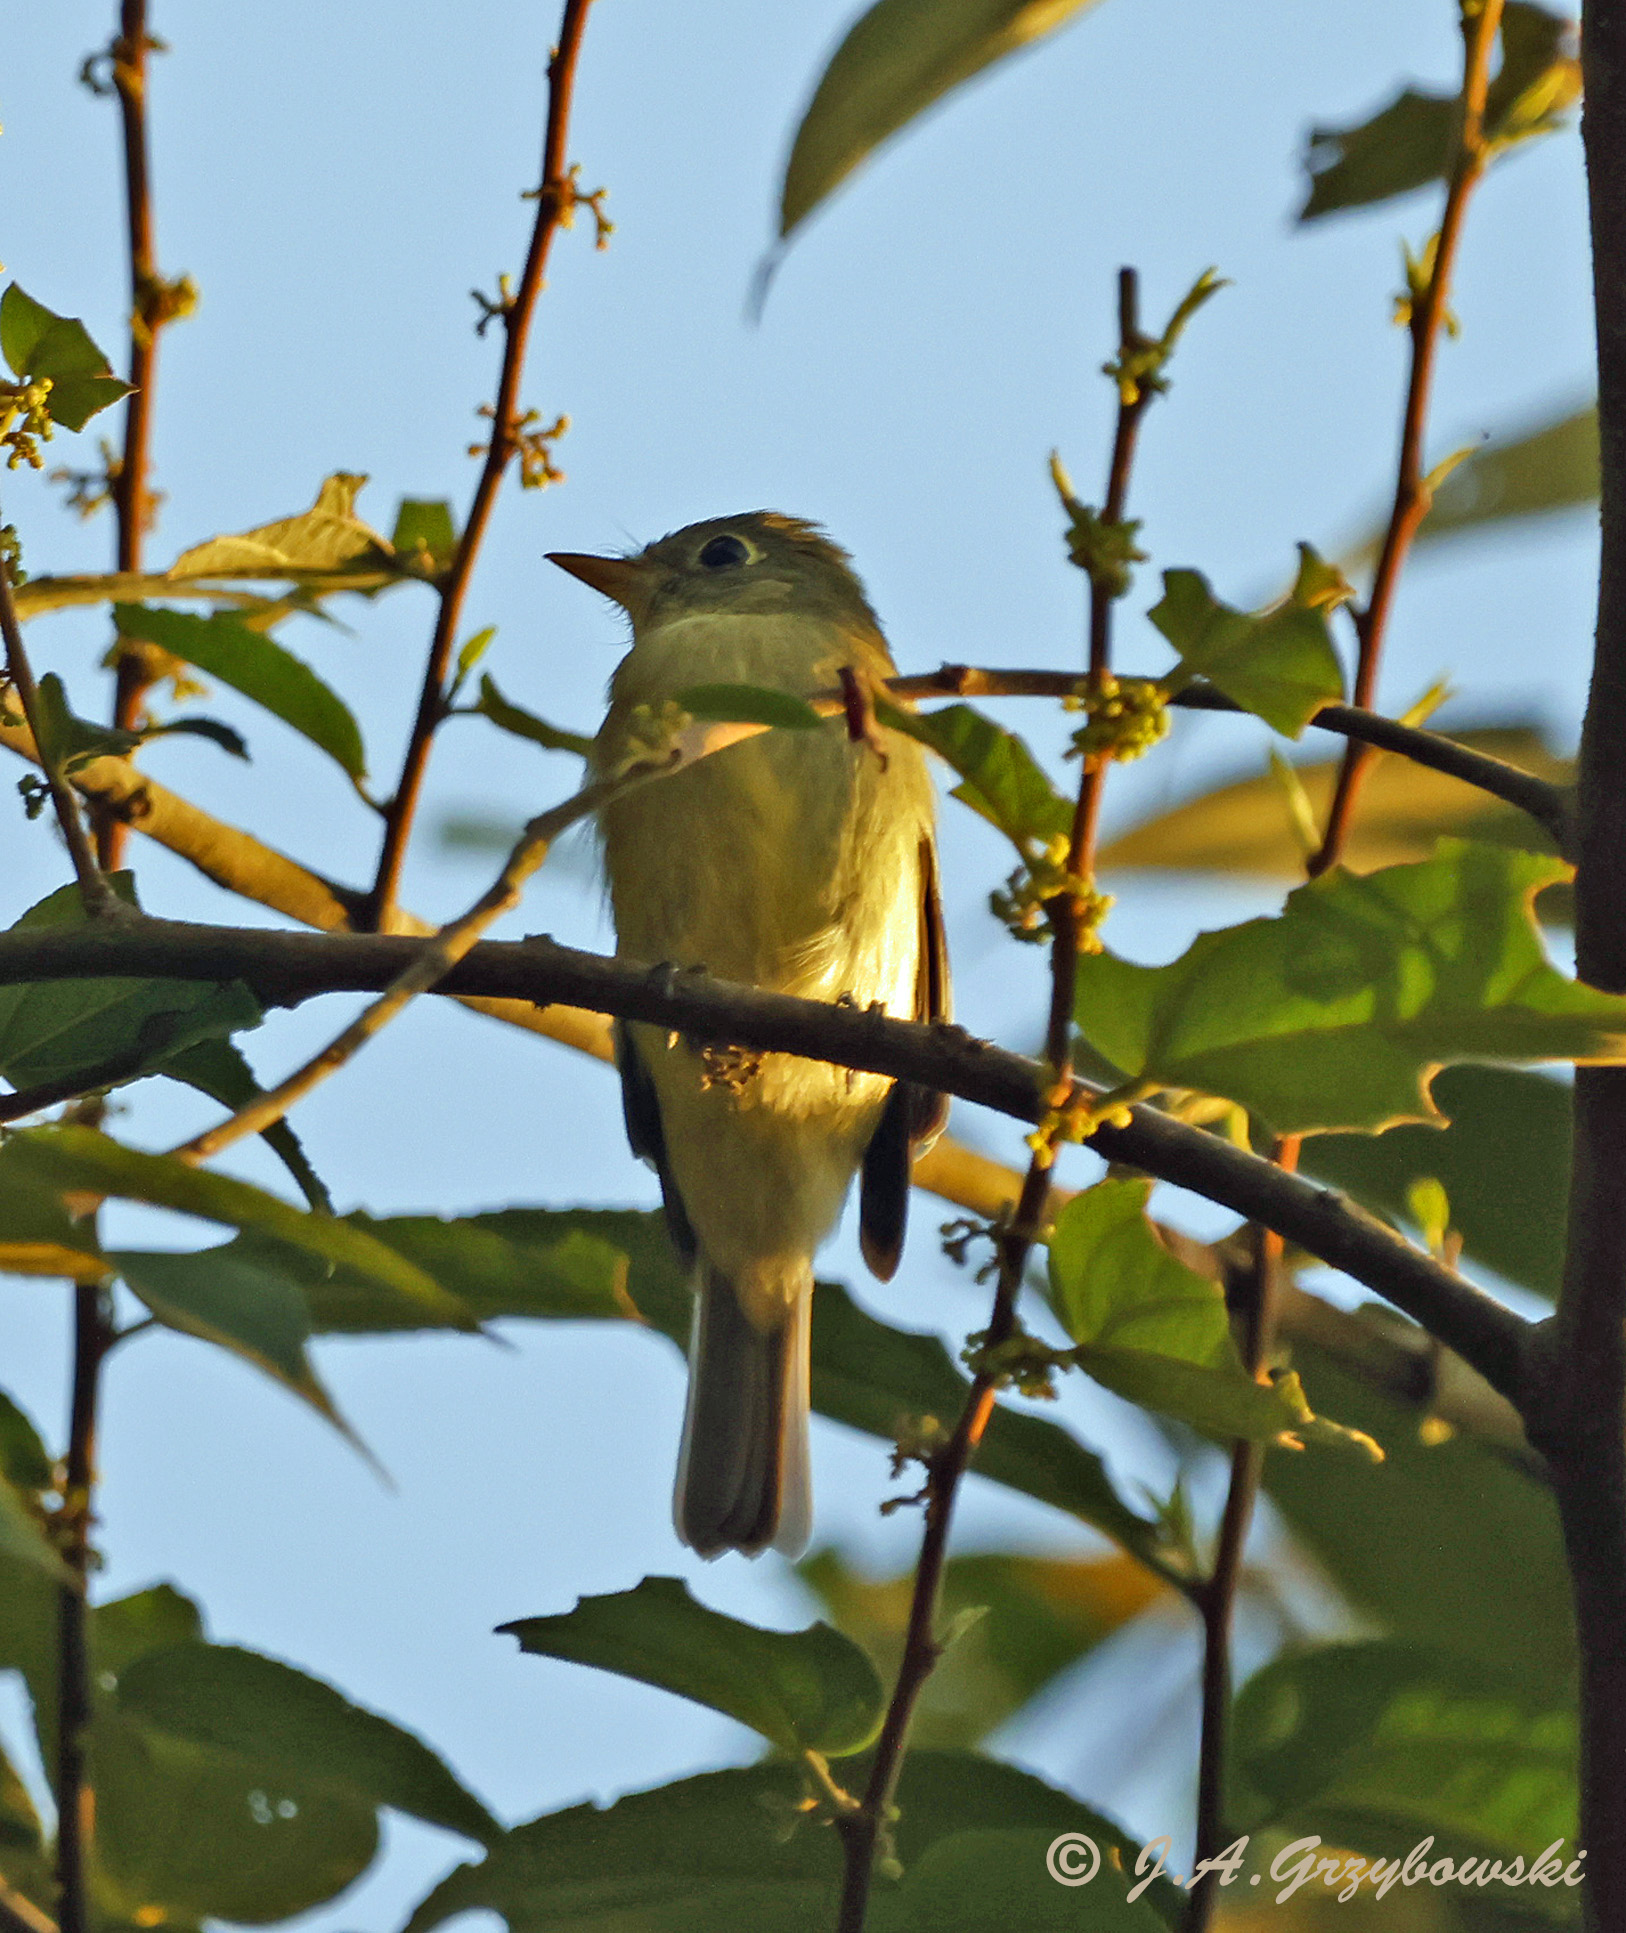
803,862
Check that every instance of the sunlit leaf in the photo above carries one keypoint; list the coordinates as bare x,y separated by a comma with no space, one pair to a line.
78,1161
226,1699
750,705
1553,467
1042,1615
1337,1013
1278,663
1374,1745
896,60
1504,1162
226,648
1000,778
39,345
328,538
1156,1332
1412,141
424,529
804,1691
224,1297
1247,827
523,724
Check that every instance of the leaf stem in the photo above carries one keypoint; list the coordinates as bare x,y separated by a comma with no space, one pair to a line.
555,203
1480,26
861,1830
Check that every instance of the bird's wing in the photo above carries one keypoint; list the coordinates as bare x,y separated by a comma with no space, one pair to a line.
914,1116
641,1109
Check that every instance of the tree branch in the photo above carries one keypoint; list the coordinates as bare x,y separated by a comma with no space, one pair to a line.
1547,804
20,674
1480,25
556,200
1576,1412
284,969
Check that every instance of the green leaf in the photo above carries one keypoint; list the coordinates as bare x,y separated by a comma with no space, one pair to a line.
37,1234
1278,663
1449,1544
876,1378
1553,467
425,531
1504,1162
523,724
804,1691
185,1833
55,1030
897,59
1043,1614
1158,1333
1000,778
750,705
223,1296
226,648
218,1069
1338,1013
81,1161
992,1880
24,1460
1376,1744
1247,827
23,1538
1413,140
226,1699
712,1852
328,539
39,345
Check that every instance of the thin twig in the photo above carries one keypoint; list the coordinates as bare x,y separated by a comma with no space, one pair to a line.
284,969
1546,803
75,1795
433,963
132,498
1480,26
861,1830
19,1914
1217,1598
556,201
92,886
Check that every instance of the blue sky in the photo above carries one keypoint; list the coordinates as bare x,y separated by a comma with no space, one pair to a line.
337,179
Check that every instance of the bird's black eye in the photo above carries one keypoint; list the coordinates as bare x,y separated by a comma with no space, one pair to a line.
724,553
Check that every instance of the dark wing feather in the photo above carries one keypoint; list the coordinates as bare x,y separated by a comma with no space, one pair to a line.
913,1116
641,1109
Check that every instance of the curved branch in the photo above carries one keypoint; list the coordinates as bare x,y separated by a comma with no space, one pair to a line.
286,968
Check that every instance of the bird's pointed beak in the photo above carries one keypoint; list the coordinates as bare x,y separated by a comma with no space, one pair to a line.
626,580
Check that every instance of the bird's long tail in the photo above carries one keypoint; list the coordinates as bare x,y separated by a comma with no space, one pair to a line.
743,1480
